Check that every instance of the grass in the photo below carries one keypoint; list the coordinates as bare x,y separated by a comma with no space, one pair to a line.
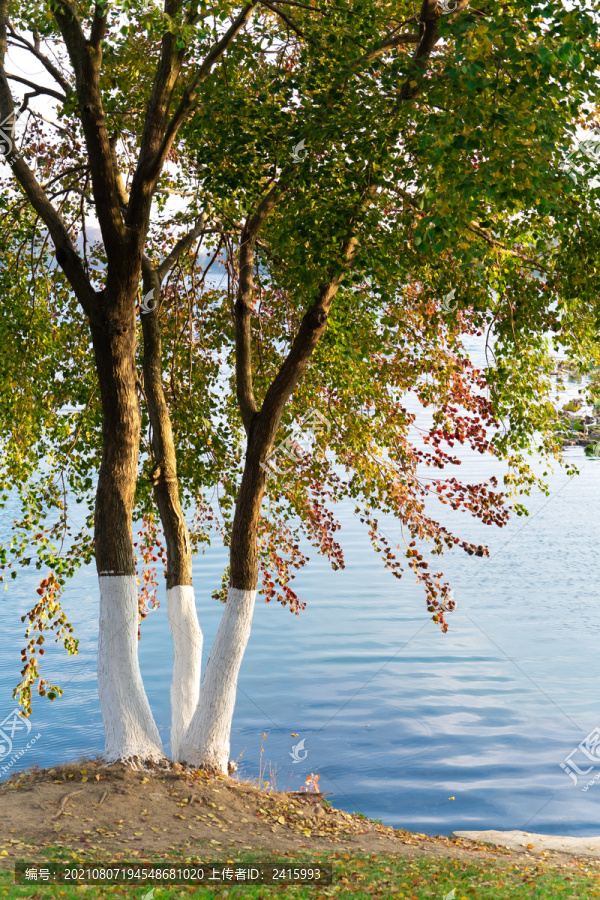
383,877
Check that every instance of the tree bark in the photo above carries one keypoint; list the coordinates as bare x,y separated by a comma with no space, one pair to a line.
207,741
128,723
181,607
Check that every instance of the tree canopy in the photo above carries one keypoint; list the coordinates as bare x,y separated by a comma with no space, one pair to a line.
398,156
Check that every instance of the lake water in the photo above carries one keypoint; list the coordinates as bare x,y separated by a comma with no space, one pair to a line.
427,731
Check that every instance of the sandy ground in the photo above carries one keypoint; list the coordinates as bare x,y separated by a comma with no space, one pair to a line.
516,840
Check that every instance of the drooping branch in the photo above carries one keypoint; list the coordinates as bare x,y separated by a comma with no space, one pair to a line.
484,233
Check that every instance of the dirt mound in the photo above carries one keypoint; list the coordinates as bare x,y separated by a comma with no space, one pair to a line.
160,807
122,812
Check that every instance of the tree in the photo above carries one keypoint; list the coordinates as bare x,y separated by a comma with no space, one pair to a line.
418,178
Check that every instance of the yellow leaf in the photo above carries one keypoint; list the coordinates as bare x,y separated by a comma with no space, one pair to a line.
413,83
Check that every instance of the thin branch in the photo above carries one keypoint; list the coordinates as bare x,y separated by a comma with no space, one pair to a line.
66,254
286,18
387,45
48,64
473,226
150,162
182,245
37,87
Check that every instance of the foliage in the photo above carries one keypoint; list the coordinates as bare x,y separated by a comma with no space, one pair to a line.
460,154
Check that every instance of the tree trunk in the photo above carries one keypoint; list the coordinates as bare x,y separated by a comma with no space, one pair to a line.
207,742
187,643
181,606
130,730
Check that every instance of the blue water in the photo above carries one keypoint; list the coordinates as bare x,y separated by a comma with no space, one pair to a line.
425,731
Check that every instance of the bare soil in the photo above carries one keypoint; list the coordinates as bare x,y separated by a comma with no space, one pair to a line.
117,810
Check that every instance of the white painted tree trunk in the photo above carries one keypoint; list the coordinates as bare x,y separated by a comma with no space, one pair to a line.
129,727
187,642
206,743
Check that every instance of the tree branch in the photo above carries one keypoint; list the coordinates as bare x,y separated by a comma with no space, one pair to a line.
182,245
37,87
48,65
286,18
66,254
428,37
86,60
312,327
387,45
473,226
98,26
482,232
243,308
156,140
